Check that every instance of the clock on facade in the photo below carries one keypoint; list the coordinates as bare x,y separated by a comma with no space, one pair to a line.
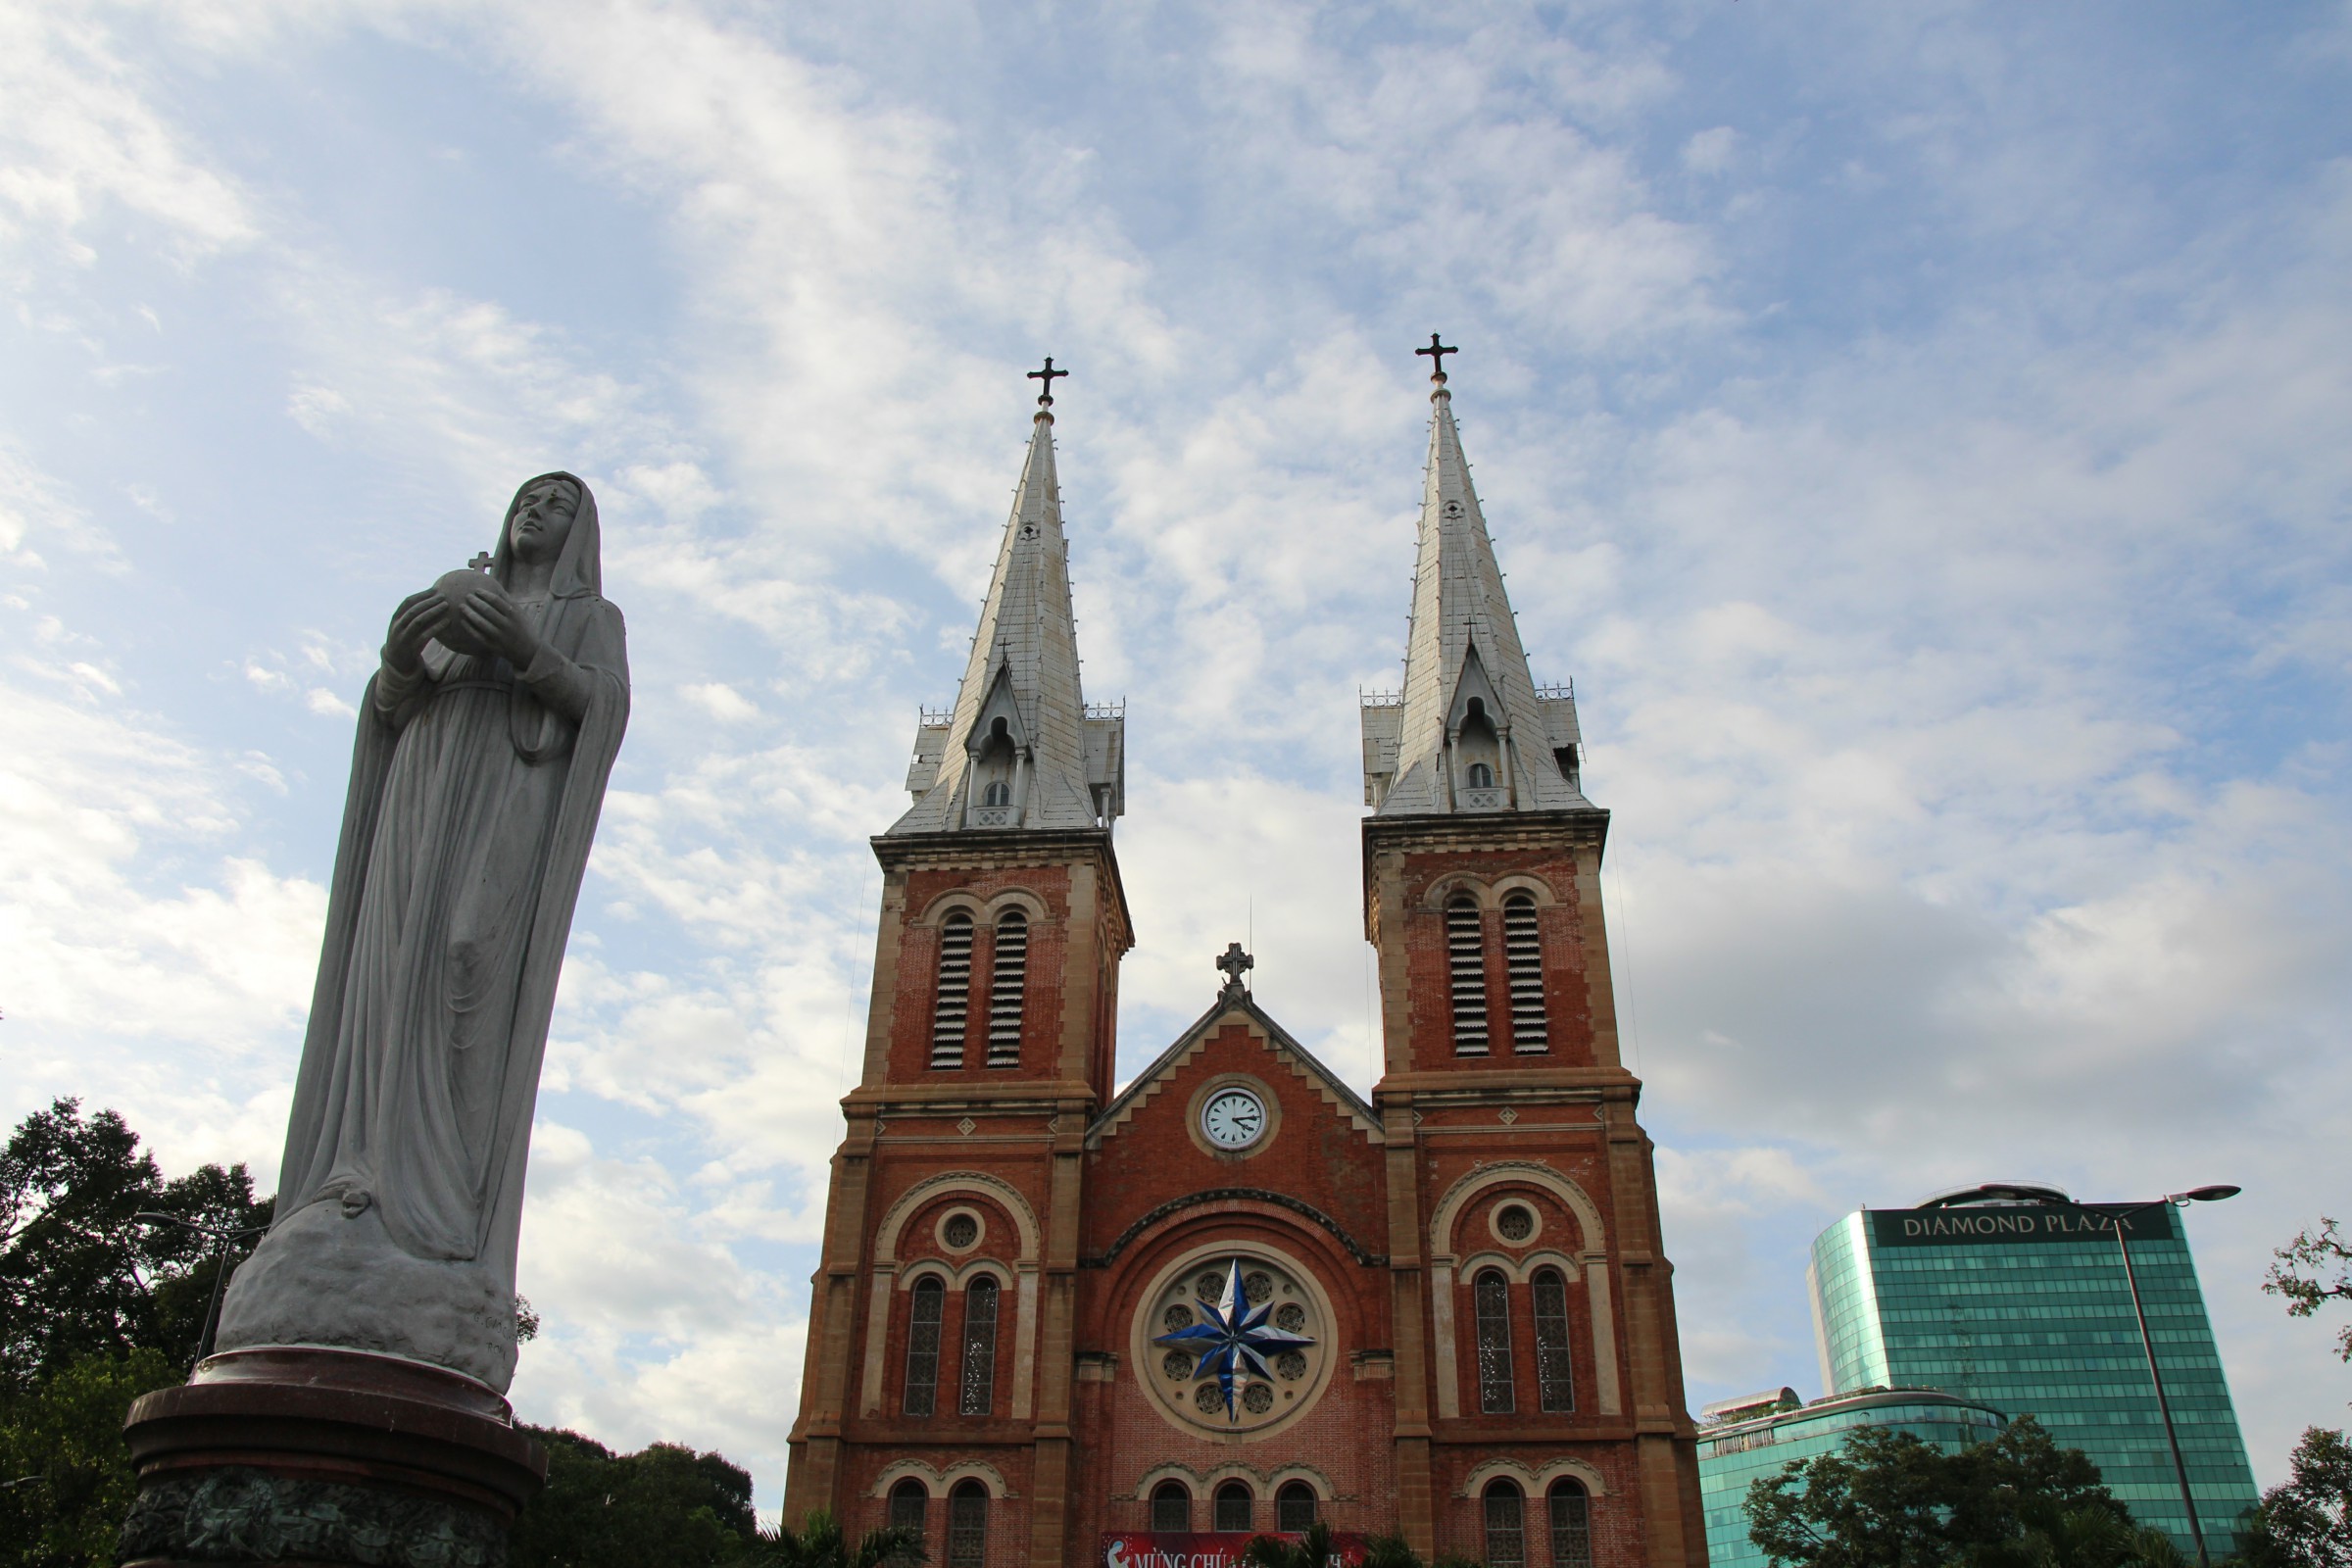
1233,1118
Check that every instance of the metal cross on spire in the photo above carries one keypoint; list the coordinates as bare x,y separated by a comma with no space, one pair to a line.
1437,353
1045,398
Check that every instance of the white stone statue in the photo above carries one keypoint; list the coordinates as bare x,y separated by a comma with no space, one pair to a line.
484,744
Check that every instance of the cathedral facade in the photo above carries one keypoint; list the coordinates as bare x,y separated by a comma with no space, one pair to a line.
1059,1324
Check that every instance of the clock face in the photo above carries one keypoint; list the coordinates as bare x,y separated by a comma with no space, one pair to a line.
1233,1118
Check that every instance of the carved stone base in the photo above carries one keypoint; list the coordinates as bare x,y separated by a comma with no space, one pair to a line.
306,1458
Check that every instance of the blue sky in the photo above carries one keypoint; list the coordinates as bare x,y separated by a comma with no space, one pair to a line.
1919,431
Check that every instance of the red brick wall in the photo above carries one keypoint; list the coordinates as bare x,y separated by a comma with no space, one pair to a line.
1429,967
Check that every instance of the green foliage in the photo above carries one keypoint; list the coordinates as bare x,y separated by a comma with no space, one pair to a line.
819,1542
1887,1499
65,1477
665,1507
96,1308
2305,1521
1312,1550
1390,1551
79,1277
2301,1272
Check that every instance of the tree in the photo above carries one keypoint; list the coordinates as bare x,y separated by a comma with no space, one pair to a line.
2305,1521
1312,1550
665,1507
67,1477
2300,1275
80,1276
820,1542
1888,1499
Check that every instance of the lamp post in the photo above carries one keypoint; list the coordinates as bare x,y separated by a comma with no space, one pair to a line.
2122,1213
221,1242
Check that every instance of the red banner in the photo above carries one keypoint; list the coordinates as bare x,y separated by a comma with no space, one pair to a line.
1207,1549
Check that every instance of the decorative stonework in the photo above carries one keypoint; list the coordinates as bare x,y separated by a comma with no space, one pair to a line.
1188,1294
241,1515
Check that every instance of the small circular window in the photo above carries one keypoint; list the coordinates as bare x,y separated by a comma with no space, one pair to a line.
961,1230
1515,1224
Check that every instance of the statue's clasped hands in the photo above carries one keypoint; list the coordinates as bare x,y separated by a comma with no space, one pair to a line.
485,618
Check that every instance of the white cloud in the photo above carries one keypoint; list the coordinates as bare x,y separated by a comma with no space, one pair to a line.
78,133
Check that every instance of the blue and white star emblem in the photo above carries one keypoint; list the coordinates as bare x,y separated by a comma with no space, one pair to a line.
1235,1339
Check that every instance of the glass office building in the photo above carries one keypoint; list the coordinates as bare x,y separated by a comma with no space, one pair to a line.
2023,1307
1733,1452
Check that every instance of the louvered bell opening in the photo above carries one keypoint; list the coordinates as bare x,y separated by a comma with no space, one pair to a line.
954,991
1006,980
1465,948
1523,957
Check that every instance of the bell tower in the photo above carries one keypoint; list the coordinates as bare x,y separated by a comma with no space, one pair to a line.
1537,1365
952,1223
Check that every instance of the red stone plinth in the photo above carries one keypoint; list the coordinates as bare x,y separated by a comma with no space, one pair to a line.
309,1457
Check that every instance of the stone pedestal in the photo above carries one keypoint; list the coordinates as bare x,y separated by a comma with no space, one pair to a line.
309,1457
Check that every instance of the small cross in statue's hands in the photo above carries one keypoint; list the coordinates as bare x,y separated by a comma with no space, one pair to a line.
481,561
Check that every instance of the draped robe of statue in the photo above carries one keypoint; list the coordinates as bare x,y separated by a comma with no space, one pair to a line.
473,799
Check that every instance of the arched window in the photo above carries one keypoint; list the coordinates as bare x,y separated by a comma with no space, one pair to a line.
1555,1382
930,1303
1523,958
1466,953
1007,979
1571,1526
997,793
1293,1507
967,1525
1506,1525
1233,1506
1172,1507
1490,1295
1481,777
954,991
909,1505
979,1346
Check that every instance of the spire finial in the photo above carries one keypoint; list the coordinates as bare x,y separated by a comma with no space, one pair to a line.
1437,353
1045,398
1234,963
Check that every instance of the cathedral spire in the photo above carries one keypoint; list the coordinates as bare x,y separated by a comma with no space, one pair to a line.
1470,731
1019,748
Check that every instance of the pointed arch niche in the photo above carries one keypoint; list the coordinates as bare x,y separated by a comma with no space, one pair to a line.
882,1284
1478,740
1445,1262
996,751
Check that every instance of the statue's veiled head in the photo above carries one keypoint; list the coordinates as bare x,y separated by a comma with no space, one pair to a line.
554,514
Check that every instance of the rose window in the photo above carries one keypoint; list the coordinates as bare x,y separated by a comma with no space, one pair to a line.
1189,1328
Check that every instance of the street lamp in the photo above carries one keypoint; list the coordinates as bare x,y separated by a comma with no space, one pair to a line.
2012,1192
221,1242
2123,1245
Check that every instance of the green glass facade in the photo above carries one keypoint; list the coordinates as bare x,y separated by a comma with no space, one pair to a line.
2025,1308
1732,1456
